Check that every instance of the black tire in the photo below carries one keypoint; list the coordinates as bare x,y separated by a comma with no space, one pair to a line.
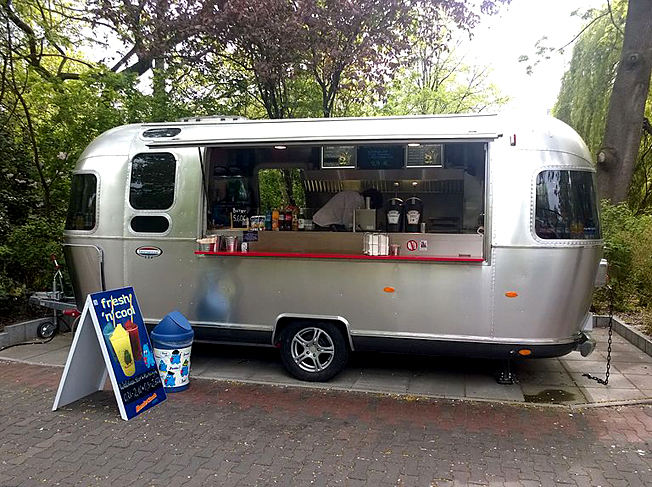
313,361
46,330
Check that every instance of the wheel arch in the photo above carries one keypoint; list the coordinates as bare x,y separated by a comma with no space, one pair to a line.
284,320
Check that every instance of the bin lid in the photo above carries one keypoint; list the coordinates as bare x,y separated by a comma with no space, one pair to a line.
173,326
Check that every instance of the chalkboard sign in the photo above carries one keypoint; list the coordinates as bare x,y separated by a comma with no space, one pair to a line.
239,216
381,156
338,156
425,155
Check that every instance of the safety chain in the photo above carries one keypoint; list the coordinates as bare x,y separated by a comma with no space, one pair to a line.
605,381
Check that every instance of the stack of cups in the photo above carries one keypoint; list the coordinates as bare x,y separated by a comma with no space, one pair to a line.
376,244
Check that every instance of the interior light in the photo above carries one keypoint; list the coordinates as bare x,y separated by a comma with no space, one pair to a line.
280,147
414,144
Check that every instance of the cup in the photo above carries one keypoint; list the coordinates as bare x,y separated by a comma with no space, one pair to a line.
107,331
122,349
231,243
394,249
134,338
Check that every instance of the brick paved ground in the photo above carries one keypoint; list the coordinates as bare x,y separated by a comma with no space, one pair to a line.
228,434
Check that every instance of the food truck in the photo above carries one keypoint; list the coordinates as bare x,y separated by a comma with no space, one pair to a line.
484,241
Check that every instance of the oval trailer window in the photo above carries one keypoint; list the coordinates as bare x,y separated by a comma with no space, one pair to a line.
150,224
566,206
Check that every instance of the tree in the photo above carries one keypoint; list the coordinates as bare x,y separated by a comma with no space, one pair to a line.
583,98
620,148
588,91
340,45
440,81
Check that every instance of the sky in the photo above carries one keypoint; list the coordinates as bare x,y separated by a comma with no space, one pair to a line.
501,39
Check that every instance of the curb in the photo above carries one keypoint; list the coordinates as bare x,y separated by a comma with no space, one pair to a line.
20,332
629,333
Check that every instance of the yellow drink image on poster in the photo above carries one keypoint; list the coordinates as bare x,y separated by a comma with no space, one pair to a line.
122,348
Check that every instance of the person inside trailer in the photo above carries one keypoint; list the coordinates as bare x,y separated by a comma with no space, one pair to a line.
337,214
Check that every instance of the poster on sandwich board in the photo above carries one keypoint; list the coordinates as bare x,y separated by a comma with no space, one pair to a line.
112,340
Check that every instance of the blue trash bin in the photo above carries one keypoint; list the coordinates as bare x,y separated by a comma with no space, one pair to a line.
172,341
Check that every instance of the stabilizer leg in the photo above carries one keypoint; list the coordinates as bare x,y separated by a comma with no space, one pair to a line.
506,375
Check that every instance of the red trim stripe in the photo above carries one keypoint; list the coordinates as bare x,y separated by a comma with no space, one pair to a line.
299,255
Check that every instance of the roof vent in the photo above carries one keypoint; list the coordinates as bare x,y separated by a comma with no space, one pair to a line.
162,132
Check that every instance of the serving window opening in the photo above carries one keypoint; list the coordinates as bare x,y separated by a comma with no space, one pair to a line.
430,192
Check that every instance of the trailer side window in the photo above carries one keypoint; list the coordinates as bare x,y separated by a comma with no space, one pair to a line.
83,195
152,181
566,206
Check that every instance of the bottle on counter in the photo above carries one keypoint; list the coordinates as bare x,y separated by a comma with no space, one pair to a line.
301,221
275,220
281,220
288,219
295,219
268,220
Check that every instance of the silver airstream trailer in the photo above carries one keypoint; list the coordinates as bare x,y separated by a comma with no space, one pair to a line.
487,239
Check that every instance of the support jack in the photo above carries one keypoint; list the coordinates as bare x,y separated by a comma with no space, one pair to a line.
506,375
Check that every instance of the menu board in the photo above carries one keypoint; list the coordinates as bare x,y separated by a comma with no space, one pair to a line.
338,156
381,156
428,155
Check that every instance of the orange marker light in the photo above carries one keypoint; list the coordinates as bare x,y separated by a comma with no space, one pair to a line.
525,352
511,294
389,289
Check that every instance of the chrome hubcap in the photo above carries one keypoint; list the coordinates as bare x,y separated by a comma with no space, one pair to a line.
312,349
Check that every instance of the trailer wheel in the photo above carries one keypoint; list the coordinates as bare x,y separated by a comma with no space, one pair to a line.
313,351
45,329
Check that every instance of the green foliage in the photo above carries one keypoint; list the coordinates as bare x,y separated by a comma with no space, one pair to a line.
25,264
274,191
584,95
65,118
438,81
628,248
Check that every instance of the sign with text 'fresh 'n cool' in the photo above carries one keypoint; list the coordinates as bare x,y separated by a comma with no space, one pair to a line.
112,339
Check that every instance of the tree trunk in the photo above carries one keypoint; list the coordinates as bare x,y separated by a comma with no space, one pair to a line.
159,94
622,138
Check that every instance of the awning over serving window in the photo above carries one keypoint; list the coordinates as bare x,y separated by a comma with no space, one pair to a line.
212,132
